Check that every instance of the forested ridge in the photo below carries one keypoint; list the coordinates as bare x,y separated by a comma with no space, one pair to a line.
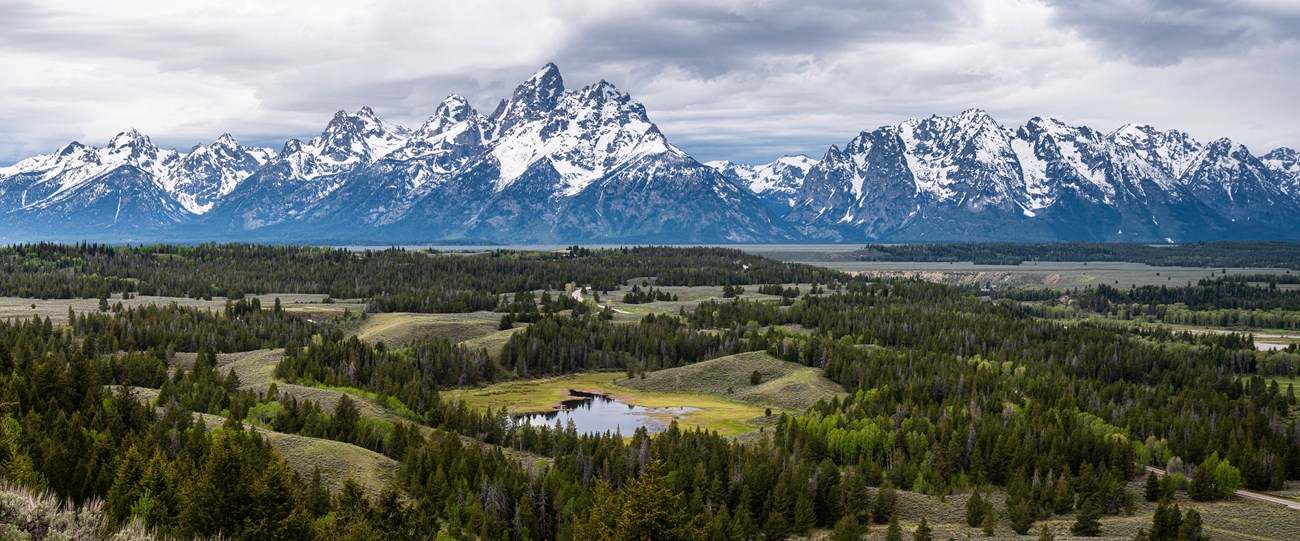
393,279
947,393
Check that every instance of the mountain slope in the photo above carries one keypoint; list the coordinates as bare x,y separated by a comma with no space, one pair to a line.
967,178
553,165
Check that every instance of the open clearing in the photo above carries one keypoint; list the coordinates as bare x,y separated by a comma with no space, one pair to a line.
337,461
399,327
1229,520
256,371
57,309
726,416
1042,273
784,385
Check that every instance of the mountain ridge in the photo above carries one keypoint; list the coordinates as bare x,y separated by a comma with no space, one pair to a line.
588,165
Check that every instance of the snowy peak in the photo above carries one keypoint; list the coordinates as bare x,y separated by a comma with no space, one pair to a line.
582,136
964,159
532,100
210,172
454,134
776,182
350,141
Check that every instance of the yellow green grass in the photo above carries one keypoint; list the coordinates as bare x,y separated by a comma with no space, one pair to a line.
784,385
1283,381
723,415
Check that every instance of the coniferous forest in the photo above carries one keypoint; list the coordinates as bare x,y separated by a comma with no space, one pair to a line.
944,393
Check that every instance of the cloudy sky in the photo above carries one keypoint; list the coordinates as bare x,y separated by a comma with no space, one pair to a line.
745,80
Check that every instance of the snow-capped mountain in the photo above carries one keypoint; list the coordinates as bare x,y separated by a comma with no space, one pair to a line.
208,173
548,165
83,188
966,177
776,183
588,165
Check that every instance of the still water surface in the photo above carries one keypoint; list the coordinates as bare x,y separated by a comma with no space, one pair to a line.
596,414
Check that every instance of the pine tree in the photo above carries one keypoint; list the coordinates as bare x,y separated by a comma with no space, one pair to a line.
857,497
775,527
652,511
894,532
1151,491
1063,496
804,515
975,509
742,524
848,528
317,496
720,526
1088,523
1166,522
1191,528
886,501
1202,488
923,532
1045,534
1020,516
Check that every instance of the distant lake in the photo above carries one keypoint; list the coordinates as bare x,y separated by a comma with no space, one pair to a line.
597,414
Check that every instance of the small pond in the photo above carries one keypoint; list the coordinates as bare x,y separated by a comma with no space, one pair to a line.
596,413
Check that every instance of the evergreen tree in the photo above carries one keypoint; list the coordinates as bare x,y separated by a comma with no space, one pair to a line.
1151,490
886,501
1191,528
652,511
1166,522
1020,516
857,496
775,527
894,532
317,496
975,509
805,517
1203,487
923,532
1045,534
1063,495
742,524
1088,523
848,528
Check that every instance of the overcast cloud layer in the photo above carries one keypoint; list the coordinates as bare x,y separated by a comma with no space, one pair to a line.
742,80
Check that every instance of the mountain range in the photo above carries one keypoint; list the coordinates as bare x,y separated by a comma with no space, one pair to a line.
551,165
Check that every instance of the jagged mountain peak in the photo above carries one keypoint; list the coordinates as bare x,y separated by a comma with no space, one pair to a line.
584,136
129,137
588,163
775,182
455,133
227,140
292,146
454,108
208,173
349,141
533,99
